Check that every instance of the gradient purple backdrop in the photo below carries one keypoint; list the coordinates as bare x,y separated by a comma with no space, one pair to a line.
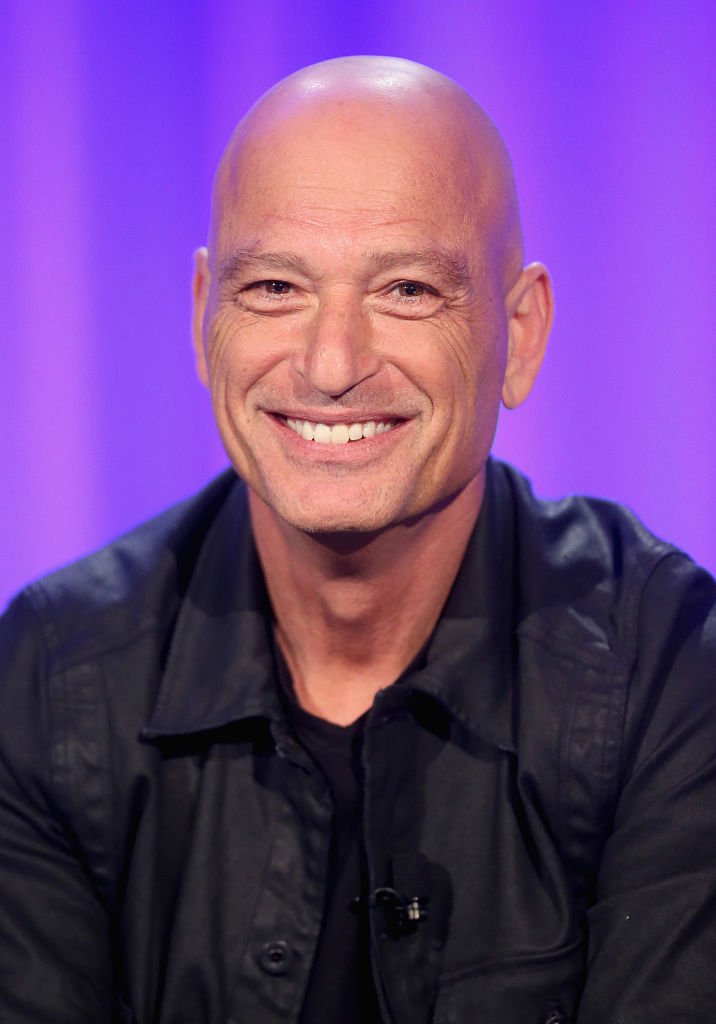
112,118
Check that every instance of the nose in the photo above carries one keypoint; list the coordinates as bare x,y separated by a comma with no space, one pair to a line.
338,350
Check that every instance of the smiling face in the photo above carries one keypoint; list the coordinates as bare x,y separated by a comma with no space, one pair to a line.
350,315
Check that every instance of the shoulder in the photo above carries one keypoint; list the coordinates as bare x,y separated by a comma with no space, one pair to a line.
81,651
592,576
624,627
128,587
616,661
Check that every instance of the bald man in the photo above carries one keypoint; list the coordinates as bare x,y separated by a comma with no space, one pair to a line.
364,732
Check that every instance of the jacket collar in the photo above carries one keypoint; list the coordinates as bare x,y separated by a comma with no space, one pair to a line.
469,657
220,665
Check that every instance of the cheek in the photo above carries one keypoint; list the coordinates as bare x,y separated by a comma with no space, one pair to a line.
458,366
472,365
480,354
241,351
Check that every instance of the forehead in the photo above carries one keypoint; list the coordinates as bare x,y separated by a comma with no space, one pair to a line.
341,173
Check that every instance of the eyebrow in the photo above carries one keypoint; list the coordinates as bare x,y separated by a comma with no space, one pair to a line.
449,266
243,259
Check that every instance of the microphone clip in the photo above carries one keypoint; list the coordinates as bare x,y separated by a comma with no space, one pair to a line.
402,913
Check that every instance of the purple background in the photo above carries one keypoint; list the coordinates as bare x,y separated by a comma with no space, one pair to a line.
112,117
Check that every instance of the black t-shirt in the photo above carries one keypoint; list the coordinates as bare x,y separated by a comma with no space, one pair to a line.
340,988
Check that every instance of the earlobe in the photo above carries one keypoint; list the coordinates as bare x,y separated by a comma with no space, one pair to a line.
200,296
530,310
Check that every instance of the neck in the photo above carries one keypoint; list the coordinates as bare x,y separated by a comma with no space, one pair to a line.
353,610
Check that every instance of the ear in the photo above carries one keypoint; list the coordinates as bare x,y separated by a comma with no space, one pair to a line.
200,297
530,309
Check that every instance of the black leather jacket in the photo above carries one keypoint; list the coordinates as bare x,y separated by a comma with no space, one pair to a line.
163,839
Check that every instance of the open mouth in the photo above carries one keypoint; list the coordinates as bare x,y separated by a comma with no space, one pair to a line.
338,433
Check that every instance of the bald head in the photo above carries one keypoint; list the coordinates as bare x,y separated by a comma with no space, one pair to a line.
373,114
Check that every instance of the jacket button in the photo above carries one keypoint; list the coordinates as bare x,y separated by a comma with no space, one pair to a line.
276,957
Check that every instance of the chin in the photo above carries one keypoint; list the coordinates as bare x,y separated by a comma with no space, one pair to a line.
324,522
356,513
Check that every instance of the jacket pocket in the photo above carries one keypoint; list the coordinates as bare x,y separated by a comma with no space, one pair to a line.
541,989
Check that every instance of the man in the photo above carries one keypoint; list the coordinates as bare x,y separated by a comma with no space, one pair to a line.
373,735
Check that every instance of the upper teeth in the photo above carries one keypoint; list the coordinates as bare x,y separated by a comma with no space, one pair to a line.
339,433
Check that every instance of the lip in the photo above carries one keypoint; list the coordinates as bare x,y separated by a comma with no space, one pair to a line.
354,452
339,416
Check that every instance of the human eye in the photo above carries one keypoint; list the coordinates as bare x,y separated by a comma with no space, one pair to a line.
269,295
410,299
270,289
410,291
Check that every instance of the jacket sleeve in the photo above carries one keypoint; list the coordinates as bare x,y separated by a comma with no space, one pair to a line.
55,962
652,930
